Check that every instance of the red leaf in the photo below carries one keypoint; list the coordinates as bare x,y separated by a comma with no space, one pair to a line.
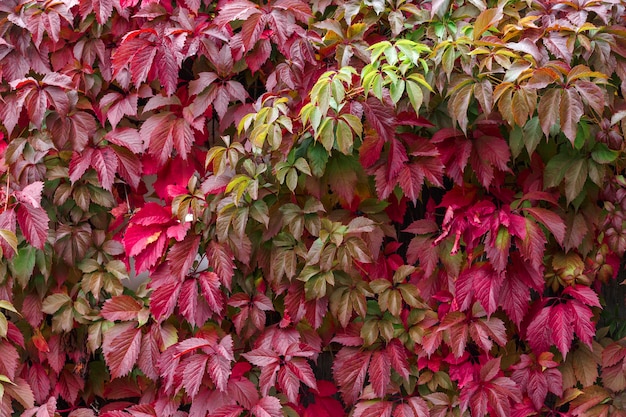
234,10
80,163
515,291
538,333
126,137
182,255
120,346
489,152
533,245
570,112
582,318
165,295
261,357
490,393
219,363
7,222
267,407
373,409
380,373
381,117
210,286
259,55
104,162
194,370
553,222
45,410
39,382
116,106
398,357
419,406
583,294
221,260
69,385
369,152
34,224
350,369
150,352
561,325
242,390
121,307
411,180
129,166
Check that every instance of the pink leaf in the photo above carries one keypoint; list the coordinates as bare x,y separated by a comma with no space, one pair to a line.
553,222
210,287
121,307
121,348
267,407
380,373
105,163
350,369
34,224
182,255
31,194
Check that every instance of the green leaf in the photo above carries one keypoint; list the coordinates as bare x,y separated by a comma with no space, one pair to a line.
556,169
327,134
23,264
318,158
603,155
532,134
516,141
344,138
303,166
582,135
397,90
292,179
416,97
354,122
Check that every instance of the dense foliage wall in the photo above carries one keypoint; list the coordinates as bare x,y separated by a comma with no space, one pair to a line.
369,208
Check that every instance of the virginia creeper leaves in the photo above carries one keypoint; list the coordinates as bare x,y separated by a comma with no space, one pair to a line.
263,208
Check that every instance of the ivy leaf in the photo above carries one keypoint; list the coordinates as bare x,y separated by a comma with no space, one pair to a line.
34,224
105,163
117,105
380,117
164,132
548,109
182,254
210,287
520,277
552,221
570,112
373,408
31,194
490,392
221,260
486,19
350,368
561,325
575,179
121,307
380,372
267,406
7,226
121,346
